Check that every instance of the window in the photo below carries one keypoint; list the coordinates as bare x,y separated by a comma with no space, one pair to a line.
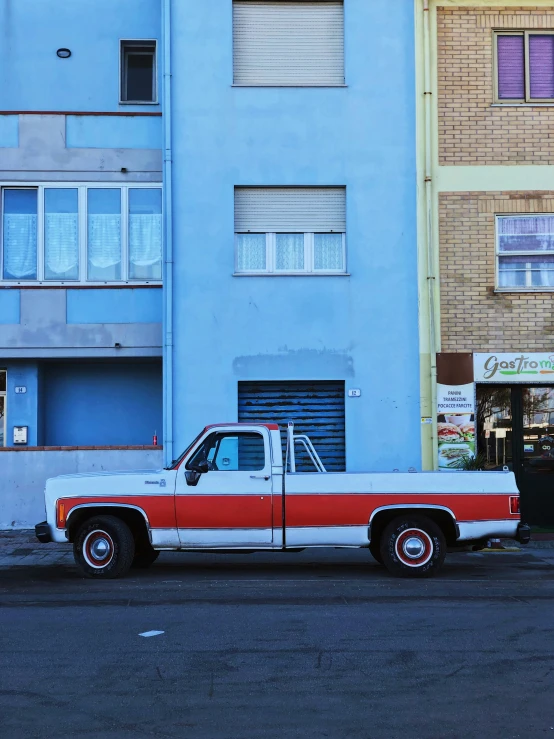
525,66
525,252
2,408
290,230
138,72
81,233
235,452
298,42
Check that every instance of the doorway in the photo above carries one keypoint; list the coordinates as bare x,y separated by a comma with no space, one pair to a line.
515,428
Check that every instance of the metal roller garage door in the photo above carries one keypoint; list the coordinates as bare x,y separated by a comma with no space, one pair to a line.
316,408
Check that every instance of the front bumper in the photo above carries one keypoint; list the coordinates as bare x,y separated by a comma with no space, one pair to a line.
523,533
42,532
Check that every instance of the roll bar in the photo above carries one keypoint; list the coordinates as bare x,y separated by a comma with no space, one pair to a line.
292,438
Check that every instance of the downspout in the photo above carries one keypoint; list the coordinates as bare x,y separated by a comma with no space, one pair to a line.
431,275
168,240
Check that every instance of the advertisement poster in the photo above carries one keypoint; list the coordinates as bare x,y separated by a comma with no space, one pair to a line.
455,424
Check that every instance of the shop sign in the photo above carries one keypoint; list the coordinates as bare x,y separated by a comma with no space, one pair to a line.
455,424
512,367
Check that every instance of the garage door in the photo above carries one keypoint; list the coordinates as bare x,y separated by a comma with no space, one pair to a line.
316,409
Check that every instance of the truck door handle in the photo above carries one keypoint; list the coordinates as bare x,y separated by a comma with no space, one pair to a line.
259,477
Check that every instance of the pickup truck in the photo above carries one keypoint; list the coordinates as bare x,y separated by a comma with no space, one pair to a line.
231,490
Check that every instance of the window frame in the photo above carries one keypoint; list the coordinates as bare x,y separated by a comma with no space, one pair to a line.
229,432
127,45
309,253
527,100
82,215
4,395
498,254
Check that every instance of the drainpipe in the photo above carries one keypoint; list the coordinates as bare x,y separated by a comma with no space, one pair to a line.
168,240
431,274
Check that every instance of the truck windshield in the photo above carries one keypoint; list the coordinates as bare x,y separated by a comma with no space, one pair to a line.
177,461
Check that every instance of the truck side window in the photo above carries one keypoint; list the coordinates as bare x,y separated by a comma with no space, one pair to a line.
232,451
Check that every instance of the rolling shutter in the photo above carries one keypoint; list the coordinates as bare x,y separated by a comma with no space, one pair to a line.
316,408
290,209
300,42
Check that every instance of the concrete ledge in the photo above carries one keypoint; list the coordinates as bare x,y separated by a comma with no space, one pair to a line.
140,447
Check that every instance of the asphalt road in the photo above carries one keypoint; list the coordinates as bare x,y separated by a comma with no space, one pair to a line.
321,644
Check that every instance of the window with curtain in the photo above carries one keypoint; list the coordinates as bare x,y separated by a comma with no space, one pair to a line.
525,252
524,66
61,234
104,234
145,234
290,230
19,234
81,233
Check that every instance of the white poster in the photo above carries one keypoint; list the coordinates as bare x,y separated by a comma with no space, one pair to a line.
455,425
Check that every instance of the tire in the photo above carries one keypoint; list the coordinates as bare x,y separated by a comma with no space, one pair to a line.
114,541
375,550
144,557
425,538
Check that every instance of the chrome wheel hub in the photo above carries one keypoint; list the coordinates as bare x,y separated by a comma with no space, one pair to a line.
99,549
413,547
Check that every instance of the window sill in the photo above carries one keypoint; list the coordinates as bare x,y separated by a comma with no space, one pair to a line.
291,274
25,448
516,290
75,285
139,102
523,105
284,85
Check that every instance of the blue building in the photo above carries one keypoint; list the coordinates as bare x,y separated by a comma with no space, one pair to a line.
287,157
293,272
81,256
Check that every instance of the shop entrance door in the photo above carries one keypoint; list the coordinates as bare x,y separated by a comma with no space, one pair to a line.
515,427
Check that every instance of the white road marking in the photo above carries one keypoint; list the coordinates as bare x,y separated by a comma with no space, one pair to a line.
152,633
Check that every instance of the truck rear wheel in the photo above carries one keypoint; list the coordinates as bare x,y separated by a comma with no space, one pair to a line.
375,550
104,547
413,546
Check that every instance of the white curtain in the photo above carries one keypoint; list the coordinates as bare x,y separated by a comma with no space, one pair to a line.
145,239
62,244
328,252
533,233
20,246
289,252
104,240
251,252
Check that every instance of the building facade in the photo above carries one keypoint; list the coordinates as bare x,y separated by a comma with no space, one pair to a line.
282,177
81,256
491,248
292,293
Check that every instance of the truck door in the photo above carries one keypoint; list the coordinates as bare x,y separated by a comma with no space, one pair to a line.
230,505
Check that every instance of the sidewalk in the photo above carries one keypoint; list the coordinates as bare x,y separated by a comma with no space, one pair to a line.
22,548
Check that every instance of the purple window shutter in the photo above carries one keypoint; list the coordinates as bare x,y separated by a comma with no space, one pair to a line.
511,68
541,66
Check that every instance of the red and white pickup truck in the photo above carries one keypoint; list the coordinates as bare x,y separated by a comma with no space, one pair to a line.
231,490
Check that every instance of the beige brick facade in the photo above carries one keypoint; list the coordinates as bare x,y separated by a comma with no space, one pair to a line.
471,129
473,316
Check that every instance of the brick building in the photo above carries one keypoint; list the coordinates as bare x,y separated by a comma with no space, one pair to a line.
490,237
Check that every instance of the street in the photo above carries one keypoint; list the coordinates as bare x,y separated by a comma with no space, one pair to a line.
316,644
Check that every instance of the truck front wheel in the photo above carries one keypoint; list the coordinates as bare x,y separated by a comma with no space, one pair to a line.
104,547
413,546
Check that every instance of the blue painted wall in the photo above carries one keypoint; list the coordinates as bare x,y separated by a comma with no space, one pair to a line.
111,132
9,130
34,78
362,328
138,305
9,306
102,404
22,408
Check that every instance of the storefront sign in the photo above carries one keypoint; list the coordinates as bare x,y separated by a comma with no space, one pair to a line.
522,367
455,424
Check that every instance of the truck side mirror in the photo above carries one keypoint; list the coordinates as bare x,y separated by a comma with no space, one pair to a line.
195,471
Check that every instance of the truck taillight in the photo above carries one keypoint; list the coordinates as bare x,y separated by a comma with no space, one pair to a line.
514,503
60,514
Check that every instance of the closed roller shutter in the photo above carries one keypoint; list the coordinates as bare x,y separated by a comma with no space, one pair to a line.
316,408
288,43
290,209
